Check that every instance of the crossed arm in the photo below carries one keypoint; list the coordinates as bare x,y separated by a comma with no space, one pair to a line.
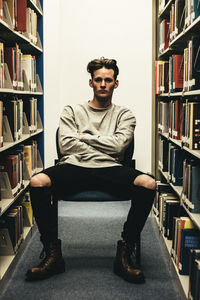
72,141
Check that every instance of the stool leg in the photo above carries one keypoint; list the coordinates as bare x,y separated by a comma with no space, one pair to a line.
55,210
138,251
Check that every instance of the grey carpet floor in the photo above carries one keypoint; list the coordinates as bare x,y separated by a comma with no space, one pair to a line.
89,232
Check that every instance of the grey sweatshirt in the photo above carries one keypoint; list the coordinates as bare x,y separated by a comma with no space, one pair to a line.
94,138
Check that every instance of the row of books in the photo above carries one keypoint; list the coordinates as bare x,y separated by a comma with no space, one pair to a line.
167,205
185,236
182,14
15,110
177,227
15,219
15,162
19,65
181,171
177,18
192,11
23,18
181,72
191,80
31,24
181,121
191,191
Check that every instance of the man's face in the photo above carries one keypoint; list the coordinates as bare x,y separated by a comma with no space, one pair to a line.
103,84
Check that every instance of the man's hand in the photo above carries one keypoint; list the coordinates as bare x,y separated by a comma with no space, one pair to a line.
119,158
80,136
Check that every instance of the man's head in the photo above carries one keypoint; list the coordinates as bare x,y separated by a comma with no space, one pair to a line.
103,62
104,80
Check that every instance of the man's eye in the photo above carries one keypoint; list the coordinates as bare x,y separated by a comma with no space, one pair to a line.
97,79
108,80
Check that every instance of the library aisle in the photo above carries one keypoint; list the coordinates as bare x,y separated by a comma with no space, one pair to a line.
89,233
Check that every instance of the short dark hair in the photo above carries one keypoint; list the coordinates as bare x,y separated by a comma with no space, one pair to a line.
96,64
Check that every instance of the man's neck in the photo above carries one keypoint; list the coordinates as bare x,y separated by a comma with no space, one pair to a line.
95,103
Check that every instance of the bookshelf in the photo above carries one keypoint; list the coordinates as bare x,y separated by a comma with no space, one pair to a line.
176,41
21,123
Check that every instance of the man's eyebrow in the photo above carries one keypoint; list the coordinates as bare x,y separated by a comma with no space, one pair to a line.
108,77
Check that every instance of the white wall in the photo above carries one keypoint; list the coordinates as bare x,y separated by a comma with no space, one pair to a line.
90,29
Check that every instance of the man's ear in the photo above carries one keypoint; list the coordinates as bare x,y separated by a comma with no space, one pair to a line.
91,83
116,84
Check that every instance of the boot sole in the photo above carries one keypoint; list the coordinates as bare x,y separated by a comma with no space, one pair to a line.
119,273
31,277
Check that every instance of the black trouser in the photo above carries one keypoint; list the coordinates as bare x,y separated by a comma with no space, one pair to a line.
65,178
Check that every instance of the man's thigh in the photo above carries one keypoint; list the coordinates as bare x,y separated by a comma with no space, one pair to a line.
66,178
64,175
122,175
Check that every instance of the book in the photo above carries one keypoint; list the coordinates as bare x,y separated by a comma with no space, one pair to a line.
176,226
11,8
193,62
1,9
179,16
31,25
26,203
10,60
171,74
185,223
28,157
170,161
29,67
2,65
194,198
10,221
20,152
162,76
163,123
177,167
162,207
9,165
185,72
164,35
190,239
172,210
178,68
162,188
176,113
163,154
195,10
194,119
21,15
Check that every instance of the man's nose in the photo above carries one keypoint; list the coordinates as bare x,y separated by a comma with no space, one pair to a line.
103,83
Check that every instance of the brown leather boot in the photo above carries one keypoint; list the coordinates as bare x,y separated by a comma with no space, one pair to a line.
52,264
124,266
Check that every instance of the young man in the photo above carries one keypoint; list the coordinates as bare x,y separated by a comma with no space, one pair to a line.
92,138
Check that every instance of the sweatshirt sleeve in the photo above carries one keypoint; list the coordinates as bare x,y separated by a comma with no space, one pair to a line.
117,143
69,141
